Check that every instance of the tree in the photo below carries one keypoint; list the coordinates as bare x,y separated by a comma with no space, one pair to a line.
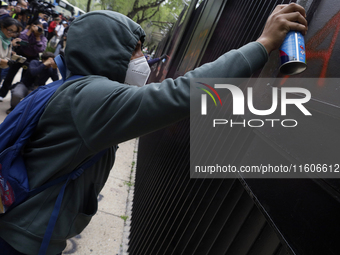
155,16
88,7
144,11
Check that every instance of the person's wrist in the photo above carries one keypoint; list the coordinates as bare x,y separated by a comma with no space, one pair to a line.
266,44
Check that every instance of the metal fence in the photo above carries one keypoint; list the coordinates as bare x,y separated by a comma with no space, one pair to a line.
173,214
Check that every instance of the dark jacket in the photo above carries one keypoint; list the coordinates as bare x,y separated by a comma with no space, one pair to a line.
38,74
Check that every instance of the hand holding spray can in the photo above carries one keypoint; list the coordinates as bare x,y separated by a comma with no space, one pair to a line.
293,54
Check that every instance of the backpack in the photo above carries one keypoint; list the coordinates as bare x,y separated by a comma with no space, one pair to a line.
14,133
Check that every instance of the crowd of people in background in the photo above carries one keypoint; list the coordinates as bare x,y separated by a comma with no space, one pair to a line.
23,43
31,45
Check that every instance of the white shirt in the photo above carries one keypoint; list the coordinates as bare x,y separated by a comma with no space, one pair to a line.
60,30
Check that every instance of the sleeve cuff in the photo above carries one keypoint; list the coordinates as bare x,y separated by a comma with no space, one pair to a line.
256,55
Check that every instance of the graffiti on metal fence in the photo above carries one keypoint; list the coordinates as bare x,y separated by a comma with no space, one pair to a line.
324,53
332,26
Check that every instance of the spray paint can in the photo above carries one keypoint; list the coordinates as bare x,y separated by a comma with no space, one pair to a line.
293,54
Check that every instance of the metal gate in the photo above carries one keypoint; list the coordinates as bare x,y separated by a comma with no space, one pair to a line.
173,214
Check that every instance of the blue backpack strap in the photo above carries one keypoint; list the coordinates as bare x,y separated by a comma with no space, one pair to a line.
74,174
68,177
59,60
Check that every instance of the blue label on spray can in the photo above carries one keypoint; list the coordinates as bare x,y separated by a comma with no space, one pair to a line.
293,53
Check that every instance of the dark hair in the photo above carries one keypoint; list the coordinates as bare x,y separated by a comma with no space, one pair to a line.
36,22
47,55
8,21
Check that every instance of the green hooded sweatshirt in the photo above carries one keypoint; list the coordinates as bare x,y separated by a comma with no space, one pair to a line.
96,112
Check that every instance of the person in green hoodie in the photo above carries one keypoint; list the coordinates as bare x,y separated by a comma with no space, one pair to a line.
100,110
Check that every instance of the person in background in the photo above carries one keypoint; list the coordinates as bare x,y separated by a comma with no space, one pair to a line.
37,74
13,11
3,7
9,28
63,38
155,60
59,30
35,43
19,8
51,28
43,18
22,18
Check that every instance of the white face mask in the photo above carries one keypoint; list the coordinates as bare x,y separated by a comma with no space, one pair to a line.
138,72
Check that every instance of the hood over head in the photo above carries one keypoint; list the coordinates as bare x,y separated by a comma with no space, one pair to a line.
101,43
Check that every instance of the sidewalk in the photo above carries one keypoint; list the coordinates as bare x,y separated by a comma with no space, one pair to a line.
104,235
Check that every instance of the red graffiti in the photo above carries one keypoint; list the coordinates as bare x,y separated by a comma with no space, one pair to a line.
332,25
312,53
